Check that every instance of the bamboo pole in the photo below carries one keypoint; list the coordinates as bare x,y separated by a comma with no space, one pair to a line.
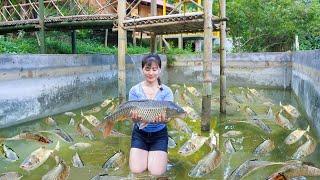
134,40
153,43
122,48
223,85
41,23
164,8
180,42
207,67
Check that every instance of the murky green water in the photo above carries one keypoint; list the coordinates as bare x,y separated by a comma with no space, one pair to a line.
102,149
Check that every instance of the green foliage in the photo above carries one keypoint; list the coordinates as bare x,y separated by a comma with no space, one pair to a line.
60,43
175,51
16,46
272,25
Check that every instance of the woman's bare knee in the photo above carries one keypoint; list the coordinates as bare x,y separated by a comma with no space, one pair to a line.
135,169
157,162
138,160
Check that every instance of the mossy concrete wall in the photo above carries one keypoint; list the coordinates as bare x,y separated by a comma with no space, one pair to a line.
242,69
299,71
306,83
35,86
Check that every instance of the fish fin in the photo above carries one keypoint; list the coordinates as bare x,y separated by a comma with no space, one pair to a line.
57,148
307,130
81,113
143,125
280,104
107,128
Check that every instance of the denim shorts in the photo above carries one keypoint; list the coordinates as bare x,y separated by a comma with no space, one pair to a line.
149,141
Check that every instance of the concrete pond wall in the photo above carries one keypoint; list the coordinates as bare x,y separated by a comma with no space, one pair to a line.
306,83
242,69
35,86
299,71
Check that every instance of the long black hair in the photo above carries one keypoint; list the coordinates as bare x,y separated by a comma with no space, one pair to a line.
147,61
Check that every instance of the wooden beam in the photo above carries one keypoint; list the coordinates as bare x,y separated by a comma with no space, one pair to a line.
223,86
122,48
207,67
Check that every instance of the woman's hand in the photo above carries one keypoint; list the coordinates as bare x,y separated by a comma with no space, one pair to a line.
160,118
135,116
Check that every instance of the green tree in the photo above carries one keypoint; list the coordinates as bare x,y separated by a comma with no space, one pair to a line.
271,25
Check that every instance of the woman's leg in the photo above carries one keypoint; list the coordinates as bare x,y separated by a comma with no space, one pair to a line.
157,162
138,160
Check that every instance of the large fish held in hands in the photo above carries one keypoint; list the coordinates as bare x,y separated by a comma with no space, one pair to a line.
148,110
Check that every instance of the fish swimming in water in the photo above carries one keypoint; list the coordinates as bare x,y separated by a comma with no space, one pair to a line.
60,172
283,122
10,176
38,157
84,131
295,169
115,162
148,110
76,161
61,134
305,149
182,126
290,110
265,147
29,136
91,119
248,166
295,135
192,145
9,153
207,164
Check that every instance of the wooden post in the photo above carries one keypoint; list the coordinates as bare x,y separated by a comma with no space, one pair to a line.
223,86
122,48
141,33
41,23
207,67
106,38
153,43
134,40
180,42
161,43
73,42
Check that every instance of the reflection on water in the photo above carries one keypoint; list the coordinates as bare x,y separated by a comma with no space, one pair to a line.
239,101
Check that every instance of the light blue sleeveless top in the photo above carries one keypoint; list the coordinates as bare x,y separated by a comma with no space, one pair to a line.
137,93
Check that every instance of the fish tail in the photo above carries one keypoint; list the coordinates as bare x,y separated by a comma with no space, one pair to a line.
107,127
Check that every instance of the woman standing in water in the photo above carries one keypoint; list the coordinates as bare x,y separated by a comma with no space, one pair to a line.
149,142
